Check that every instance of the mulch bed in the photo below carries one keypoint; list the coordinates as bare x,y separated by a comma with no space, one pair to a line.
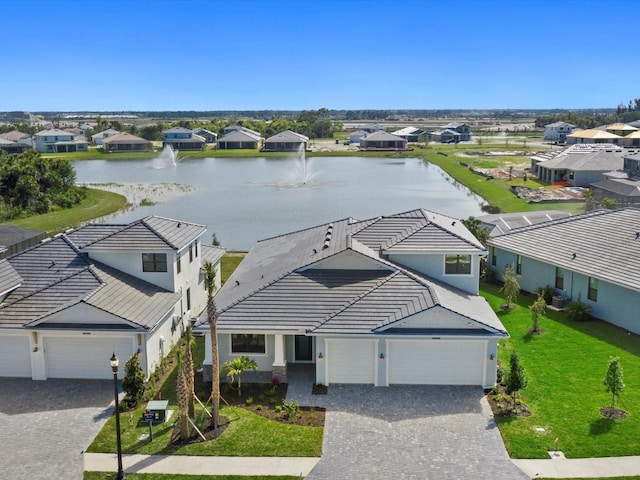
501,404
613,413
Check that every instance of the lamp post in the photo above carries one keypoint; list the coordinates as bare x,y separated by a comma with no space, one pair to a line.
114,367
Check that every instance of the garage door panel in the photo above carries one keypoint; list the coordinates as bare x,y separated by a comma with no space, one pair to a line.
436,362
351,361
15,359
85,357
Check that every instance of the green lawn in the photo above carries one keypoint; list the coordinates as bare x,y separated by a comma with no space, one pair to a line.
565,367
97,204
162,476
229,263
248,435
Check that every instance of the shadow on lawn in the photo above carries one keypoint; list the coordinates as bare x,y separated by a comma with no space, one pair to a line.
600,426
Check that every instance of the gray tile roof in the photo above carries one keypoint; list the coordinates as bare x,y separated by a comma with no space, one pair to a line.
239,136
619,186
500,223
211,253
287,136
12,234
285,284
605,244
382,136
151,233
178,130
9,277
592,161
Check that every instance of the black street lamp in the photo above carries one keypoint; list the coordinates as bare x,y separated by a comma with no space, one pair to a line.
114,367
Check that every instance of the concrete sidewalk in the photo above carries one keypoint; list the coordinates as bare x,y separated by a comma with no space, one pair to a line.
193,465
580,467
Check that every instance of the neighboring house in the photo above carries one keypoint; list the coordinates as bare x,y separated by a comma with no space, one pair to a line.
14,239
499,223
210,137
382,140
59,141
577,165
356,136
632,139
558,131
372,128
621,129
237,139
180,138
286,141
125,142
623,186
68,303
98,138
410,134
239,128
13,147
388,300
593,258
593,135
453,132
17,137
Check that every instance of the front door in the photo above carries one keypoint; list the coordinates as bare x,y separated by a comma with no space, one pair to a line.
303,348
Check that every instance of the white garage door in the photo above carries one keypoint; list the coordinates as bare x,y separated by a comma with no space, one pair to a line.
15,360
435,362
351,361
85,356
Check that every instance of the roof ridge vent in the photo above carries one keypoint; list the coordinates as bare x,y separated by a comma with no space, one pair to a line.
327,236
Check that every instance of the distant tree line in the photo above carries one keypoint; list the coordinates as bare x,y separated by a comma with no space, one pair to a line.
31,184
624,113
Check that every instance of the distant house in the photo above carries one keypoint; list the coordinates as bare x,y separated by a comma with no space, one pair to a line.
239,128
18,137
125,142
632,139
500,223
355,137
372,127
410,134
623,186
210,137
68,303
593,258
578,165
180,138
286,141
558,131
621,129
382,140
98,138
14,239
13,147
239,139
453,132
593,135
59,141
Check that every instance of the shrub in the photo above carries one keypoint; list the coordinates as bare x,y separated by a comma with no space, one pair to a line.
578,311
500,374
261,397
291,409
278,408
249,401
272,401
275,380
258,407
546,292
133,381
272,391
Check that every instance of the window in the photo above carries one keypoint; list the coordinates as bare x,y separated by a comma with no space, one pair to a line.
154,262
178,263
457,264
190,253
247,343
195,247
593,289
188,299
518,264
494,256
559,278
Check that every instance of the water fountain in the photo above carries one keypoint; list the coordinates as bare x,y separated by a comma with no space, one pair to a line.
168,158
304,173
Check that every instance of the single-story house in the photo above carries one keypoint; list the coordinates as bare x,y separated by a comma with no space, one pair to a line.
593,258
445,136
240,128
382,140
180,138
18,137
68,303
14,239
410,134
372,127
13,147
632,139
98,138
125,142
387,300
558,131
58,141
499,223
355,137
286,141
578,165
593,135
237,139
621,129
623,185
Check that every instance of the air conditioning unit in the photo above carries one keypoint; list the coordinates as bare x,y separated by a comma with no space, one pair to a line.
559,301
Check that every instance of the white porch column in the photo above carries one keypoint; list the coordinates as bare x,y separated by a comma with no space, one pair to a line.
279,367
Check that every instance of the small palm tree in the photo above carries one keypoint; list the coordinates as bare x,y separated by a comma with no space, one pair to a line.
212,319
182,392
236,367
188,360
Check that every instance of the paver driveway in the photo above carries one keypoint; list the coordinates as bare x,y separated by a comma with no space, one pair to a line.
45,426
421,432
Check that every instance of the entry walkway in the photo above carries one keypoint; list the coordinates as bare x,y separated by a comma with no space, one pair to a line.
580,467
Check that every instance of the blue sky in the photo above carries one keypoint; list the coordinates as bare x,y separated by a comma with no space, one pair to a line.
292,55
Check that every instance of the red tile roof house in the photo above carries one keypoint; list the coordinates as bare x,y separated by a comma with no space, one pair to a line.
388,300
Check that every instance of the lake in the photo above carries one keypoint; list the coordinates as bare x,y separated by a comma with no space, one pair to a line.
244,200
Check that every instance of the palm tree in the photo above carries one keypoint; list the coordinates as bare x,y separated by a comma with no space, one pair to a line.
212,318
236,367
182,392
188,361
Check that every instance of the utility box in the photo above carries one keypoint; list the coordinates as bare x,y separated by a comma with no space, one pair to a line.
157,408
559,301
